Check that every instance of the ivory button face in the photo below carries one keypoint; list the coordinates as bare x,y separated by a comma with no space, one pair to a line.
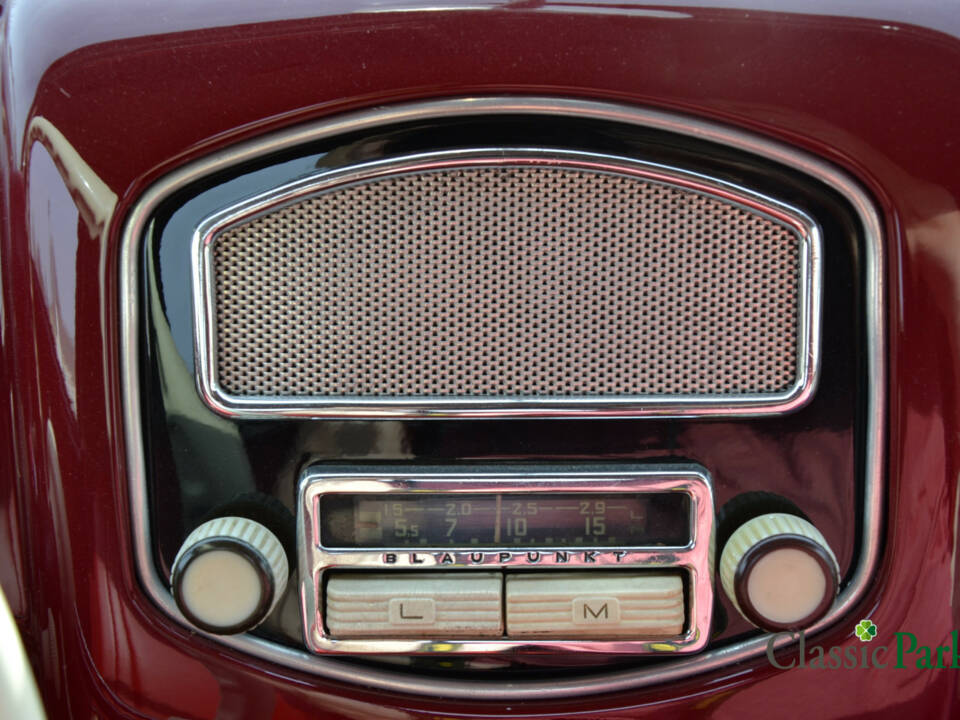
601,605
786,585
229,575
432,606
221,588
779,572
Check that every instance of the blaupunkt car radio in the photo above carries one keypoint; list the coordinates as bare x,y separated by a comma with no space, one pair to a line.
488,559
482,382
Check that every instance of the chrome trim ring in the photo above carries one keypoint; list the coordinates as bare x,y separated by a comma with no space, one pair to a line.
479,689
345,407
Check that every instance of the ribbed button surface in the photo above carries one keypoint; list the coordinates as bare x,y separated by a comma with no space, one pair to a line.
595,604
422,605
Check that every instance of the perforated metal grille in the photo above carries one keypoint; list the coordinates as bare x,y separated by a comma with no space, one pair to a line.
506,281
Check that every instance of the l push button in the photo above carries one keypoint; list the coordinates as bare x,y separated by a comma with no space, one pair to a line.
415,605
595,605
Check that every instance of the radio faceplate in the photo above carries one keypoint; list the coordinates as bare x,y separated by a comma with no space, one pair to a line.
611,577
188,462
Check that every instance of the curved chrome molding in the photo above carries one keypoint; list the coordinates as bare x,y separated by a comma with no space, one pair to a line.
797,222
408,682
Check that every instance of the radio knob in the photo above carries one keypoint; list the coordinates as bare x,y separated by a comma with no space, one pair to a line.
779,572
229,575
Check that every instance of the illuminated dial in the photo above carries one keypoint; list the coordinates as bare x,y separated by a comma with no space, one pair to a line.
505,519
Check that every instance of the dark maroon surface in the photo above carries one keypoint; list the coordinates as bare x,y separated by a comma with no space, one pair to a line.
138,89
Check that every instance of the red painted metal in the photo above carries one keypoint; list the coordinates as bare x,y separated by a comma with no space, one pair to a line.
141,88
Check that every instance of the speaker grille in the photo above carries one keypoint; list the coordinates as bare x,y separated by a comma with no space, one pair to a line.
506,281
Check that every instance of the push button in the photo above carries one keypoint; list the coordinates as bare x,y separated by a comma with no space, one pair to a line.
595,605
419,605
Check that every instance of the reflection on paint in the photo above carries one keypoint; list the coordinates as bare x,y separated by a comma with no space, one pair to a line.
94,200
53,246
62,189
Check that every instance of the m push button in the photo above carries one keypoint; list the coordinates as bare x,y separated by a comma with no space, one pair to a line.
595,605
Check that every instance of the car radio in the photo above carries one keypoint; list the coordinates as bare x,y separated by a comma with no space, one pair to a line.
491,559
499,385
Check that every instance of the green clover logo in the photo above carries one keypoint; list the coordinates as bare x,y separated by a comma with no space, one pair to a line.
866,630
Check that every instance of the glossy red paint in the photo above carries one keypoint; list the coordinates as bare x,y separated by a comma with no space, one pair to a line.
146,86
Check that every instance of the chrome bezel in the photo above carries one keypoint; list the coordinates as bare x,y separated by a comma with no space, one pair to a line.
389,679
586,406
694,559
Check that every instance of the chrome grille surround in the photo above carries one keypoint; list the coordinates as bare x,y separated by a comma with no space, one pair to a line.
507,283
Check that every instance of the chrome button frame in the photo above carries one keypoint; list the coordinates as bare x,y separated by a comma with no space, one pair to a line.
694,560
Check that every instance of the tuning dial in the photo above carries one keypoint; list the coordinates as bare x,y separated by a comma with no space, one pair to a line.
229,575
779,572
